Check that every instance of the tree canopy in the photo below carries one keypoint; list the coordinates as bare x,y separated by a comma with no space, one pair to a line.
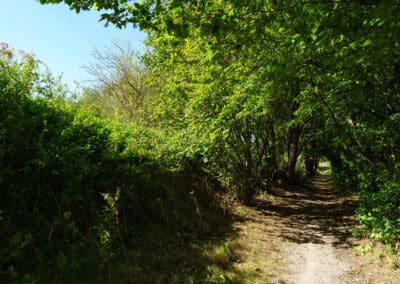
239,96
269,81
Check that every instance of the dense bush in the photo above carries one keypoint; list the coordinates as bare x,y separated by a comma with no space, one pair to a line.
74,186
380,213
55,162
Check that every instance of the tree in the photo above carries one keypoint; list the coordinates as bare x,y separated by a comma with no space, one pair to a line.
121,84
322,77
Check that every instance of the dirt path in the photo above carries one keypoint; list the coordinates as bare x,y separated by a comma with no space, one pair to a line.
301,235
319,253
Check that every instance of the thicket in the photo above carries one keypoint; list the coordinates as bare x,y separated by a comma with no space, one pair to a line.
78,188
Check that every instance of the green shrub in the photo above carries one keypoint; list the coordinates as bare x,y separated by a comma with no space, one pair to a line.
379,212
56,160
76,187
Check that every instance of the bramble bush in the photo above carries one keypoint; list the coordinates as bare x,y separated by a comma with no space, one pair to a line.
55,161
75,187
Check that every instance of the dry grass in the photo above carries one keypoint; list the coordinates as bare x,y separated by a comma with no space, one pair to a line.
254,253
242,250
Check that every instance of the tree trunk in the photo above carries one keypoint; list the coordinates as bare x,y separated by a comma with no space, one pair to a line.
311,165
294,137
293,153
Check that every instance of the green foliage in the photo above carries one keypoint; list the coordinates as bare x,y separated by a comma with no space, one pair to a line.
245,87
76,186
380,212
318,77
121,12
54,160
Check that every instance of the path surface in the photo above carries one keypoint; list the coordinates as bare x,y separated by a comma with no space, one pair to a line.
301,235
321,223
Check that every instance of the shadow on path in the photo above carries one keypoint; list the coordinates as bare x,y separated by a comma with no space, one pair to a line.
307,215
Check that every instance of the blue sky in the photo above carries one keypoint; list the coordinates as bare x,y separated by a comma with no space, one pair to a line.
60,38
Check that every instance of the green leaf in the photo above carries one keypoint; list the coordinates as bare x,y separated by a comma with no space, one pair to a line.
95,6
367,42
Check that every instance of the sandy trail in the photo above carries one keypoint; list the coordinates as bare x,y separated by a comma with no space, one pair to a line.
321,233
317,263
319,247
300,234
